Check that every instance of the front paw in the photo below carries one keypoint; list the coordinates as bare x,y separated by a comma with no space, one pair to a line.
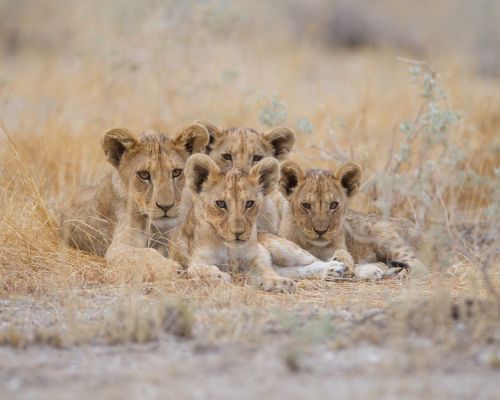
415,266
144,264
370,272
209,273
343,256
335,270
276,284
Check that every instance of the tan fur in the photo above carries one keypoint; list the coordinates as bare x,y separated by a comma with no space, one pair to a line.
242,148
219,235
313,222
125,216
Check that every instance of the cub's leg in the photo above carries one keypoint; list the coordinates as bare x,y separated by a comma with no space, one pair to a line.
343,256
393,249
128,250
147,262
265,277
201,266
321,269
285,253
370,271
294,262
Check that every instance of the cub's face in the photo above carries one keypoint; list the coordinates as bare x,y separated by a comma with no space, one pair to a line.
319,198
151,168
231,201
242,148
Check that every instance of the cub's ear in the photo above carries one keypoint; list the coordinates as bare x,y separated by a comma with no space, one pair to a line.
349,177
199,168
291,176
192,139
116,142
213,130
267,172
282,140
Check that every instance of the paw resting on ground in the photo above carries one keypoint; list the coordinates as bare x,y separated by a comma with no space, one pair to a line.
370,272
335,269
276,284
413,266
344,257
209,273
393,271
144,264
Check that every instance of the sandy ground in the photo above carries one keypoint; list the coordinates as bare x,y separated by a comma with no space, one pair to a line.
310,352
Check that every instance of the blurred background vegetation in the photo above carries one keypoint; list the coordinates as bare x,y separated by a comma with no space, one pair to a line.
455,28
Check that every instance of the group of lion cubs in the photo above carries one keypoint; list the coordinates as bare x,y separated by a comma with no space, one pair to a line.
214,202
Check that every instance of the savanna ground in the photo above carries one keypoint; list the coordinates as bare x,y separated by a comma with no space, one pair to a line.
72,327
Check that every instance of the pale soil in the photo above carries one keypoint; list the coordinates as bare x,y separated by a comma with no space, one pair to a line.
301,351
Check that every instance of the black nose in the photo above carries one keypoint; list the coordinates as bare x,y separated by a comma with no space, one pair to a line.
320,231
165,208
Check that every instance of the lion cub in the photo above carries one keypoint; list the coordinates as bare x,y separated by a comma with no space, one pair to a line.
242,148
135,205
219,234
318,219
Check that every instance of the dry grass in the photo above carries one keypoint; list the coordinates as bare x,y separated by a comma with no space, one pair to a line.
56,102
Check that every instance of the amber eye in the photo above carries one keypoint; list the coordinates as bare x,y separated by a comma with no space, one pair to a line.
227,156
221,204
249,204
144,175
334,205
307,206
176,172
257,158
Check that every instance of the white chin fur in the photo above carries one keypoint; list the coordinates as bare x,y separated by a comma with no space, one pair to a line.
235,245
319,243
165,223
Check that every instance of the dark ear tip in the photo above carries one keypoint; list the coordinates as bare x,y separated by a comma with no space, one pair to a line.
198,168
194,138
197,126
200,160
282,139
291,167
267,173
117,132
282,131
291,173
269,162
291,134
208,125
349,176
115,142
107,136
356,167
192,160
350,168
286,165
